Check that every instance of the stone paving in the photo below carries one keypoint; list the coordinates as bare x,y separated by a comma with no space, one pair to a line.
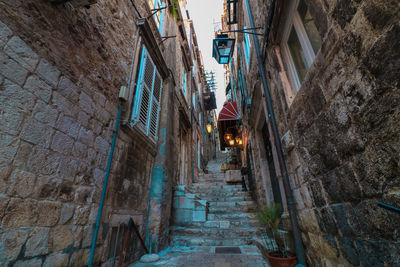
230,223
204,256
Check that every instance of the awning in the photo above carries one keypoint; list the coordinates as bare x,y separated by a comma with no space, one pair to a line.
228,121
229,112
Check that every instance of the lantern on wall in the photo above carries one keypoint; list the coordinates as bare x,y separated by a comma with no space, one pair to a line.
228,137
209,128
223,48
231,142
238,141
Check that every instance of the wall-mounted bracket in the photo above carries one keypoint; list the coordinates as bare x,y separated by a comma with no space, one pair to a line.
164,38
247,30
155,10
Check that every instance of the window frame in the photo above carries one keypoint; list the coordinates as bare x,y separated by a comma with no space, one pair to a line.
158,4
294,21
232,9
246,48
184,82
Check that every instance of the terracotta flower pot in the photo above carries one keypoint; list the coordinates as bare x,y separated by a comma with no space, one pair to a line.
281,262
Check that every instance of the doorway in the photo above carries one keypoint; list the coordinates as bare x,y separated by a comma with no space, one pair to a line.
271,166
183,159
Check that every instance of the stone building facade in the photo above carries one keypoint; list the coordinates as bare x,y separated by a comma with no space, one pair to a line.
332,69
61,70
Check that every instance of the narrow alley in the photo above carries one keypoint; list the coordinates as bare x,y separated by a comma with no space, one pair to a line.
225,238
212,133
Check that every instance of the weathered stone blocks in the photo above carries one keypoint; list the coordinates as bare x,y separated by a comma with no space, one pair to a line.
20,213
11,243
20,52
49,213
56,259
62,143
8,148
38,87
21,183
37,262
12,70
45,113
5,34
61,237
37,133
37,243
48,72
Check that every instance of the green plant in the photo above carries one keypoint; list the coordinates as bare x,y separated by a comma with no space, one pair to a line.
270,218
173,9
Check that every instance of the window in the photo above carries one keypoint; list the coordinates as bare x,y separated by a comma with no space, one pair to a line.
301,42
232,11
246,46
241,81
159,15
194,101
243,89
147,103
184,81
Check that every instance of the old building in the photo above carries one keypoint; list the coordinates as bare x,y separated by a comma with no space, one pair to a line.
321,79
70,74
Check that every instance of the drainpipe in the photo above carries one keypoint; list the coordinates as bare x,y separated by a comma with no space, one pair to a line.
103,194
285,177
191,147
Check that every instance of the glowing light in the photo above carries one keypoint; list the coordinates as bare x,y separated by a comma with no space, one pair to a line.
227,137
209,128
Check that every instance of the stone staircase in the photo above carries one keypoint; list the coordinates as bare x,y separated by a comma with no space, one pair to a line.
230,220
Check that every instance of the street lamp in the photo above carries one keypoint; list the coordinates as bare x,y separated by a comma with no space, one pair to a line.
227,137
238,140
223,48
209,128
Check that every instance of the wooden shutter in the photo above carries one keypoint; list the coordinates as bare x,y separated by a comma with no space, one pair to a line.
147,103
155,107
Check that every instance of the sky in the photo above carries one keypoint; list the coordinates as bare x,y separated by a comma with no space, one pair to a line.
206,16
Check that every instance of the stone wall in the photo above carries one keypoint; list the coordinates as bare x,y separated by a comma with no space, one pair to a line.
344,126
60,73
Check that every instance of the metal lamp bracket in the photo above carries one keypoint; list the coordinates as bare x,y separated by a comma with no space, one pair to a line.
154,11
247,30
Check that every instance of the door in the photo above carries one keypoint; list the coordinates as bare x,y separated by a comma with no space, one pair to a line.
183,160
271,166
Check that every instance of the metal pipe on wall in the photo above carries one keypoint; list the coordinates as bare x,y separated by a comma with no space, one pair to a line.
103,194
285,177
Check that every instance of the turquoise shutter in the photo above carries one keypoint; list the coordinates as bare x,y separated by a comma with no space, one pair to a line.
184,81
155,107
147,102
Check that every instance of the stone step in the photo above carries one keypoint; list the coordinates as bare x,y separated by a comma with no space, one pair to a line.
215,186
218,189
229,204
232,198
231,216
236,208
233,232
200,241
241,222
213,195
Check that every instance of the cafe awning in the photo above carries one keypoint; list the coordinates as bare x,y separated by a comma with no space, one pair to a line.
228,121
229,112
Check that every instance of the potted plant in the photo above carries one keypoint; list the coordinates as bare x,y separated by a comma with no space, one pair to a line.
275,246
